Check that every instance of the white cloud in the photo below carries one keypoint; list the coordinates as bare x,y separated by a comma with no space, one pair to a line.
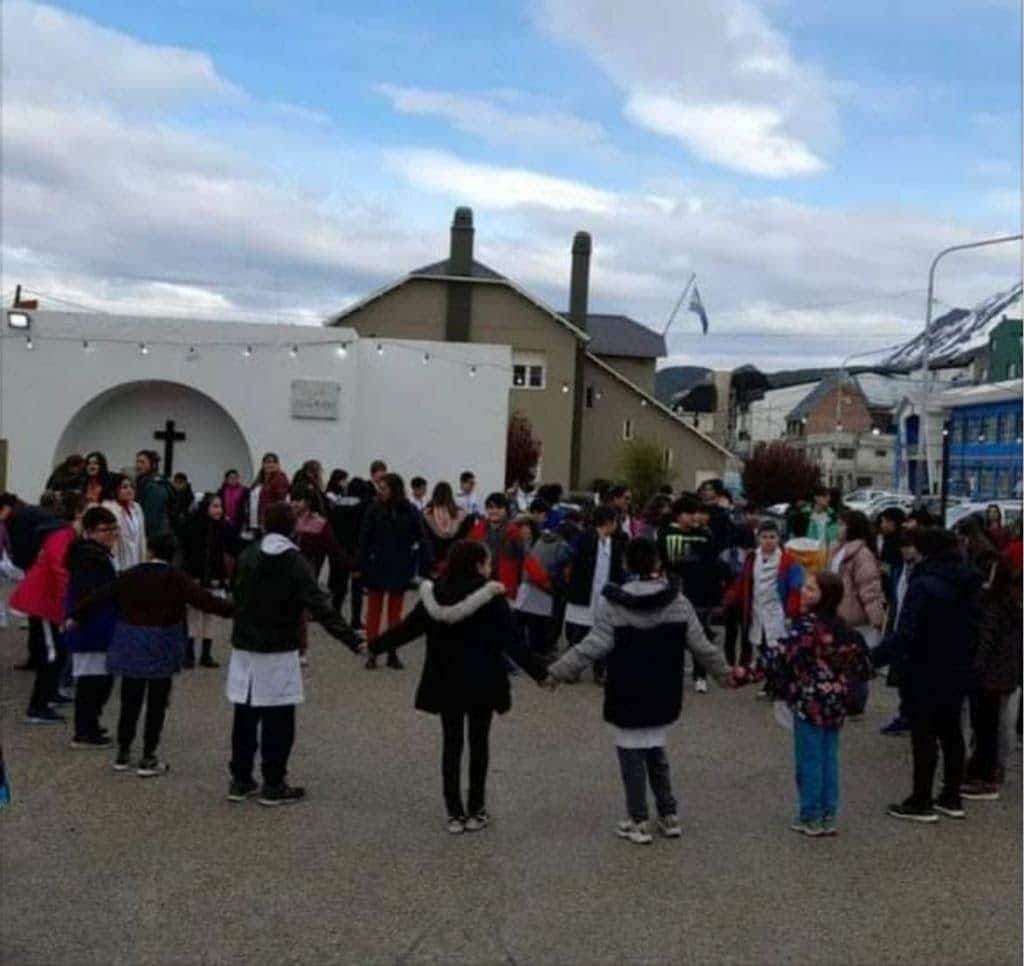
495,187
741,136
713,74
503,117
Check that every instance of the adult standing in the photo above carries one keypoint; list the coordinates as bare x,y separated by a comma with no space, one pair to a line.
936,635
346,514
209,547
130,547
273,587
273,486
445,521
467,498
393,549
994,529
153,493
234,495
863,604
310,477
97,478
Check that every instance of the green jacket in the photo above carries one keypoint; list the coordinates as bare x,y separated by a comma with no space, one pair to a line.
827,534
153,493
271,592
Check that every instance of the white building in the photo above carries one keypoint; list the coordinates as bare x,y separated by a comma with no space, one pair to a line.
71,383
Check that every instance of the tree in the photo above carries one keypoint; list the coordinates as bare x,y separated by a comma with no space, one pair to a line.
642,465
777,473
522,451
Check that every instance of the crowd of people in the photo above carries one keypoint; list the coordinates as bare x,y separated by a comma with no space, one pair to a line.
132,575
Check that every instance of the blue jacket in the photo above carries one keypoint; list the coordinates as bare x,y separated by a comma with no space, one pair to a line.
90,567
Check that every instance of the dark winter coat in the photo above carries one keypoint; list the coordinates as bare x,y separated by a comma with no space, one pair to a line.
206,546
469,630
393,547
584,563
27,528
154,494
90,567
642,629
692,556
937,632
271,593
997,665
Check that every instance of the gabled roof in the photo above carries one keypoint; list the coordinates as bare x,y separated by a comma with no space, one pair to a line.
443,269
651,401
803,408
619,335
486,276
879,391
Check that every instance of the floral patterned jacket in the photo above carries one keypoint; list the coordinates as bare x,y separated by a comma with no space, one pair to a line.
814,669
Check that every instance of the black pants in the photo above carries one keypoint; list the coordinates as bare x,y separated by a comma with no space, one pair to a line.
269,729
156,693
453,726
985,707
536,631
338,580
91,694
733,629
44,688
638,766
932,727
356,606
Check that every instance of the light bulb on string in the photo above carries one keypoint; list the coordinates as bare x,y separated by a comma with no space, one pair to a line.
143,349
472,371
565,387
29,344
342,350
380,349
247,354
643,403
426,358
293,351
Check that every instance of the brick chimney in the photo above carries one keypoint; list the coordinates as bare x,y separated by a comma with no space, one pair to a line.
460,263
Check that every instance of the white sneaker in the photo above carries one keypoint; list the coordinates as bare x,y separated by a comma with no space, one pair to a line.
456,826
669,827
477,822
636,832
700,686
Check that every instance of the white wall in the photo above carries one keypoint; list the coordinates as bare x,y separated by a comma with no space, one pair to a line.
432,418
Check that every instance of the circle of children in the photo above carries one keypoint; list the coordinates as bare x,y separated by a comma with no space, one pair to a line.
126,574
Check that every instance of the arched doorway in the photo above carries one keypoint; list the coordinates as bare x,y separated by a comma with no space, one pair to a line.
123,420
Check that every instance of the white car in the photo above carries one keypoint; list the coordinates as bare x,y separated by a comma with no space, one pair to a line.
862,499
957,514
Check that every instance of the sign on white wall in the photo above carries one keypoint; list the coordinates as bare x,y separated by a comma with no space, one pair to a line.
315,399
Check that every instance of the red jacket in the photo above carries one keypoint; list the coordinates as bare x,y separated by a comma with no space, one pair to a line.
508,567
274,490
43,592
790,580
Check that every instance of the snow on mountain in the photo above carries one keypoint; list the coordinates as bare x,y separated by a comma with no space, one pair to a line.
958,332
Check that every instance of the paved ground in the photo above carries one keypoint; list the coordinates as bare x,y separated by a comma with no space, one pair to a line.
99,868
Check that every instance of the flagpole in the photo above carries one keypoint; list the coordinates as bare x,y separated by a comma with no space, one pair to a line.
682,298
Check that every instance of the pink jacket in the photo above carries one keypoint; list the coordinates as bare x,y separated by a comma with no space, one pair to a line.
43,592
863,600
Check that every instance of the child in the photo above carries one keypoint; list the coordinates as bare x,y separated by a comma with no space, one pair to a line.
469,629
505,540
149,643
640,629
90,567
815,670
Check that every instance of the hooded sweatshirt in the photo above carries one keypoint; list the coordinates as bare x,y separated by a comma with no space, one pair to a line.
642,629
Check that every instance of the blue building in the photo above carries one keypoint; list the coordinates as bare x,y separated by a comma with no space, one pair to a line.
985,435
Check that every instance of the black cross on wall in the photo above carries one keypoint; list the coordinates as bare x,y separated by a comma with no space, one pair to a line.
169,436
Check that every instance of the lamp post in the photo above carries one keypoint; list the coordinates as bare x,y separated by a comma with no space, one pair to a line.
925,352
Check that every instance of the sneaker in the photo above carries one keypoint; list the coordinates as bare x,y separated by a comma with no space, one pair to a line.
85,742
700,686
950,806
636,832
61,699
151,767
811,828
828,826
979,791
763,694
855,716
394,663
371,663
669,826
477,822
303,661
207,661
281,795
895,728
241,791
456,825
123,761
912,812
44,716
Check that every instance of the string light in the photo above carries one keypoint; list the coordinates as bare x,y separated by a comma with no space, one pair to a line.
86,346
342,350
380,349
143,349
29,344
248,352
426,358
293,351
472,371
643,403
565,387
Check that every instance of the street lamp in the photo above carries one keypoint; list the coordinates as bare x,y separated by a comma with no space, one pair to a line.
925,352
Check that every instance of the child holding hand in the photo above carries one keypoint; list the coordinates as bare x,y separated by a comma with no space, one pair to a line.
814,670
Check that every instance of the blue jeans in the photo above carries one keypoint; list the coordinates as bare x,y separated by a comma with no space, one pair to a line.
817,769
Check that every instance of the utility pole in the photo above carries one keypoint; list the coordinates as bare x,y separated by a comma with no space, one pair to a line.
926,351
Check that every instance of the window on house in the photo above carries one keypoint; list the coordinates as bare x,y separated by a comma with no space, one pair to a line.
528,377
666,458
865,481
1004,484
960,430
845,453
991,428
881,454
1012,370
988,482
591,396
627,429
1017,419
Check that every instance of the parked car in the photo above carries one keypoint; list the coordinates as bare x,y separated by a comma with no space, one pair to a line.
862,499
956,515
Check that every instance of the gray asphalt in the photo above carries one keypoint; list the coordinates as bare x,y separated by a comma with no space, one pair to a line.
99,868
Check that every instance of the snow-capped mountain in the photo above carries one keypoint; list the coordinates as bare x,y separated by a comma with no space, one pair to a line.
958,332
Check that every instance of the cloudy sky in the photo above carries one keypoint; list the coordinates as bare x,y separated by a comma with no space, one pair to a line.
258,160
